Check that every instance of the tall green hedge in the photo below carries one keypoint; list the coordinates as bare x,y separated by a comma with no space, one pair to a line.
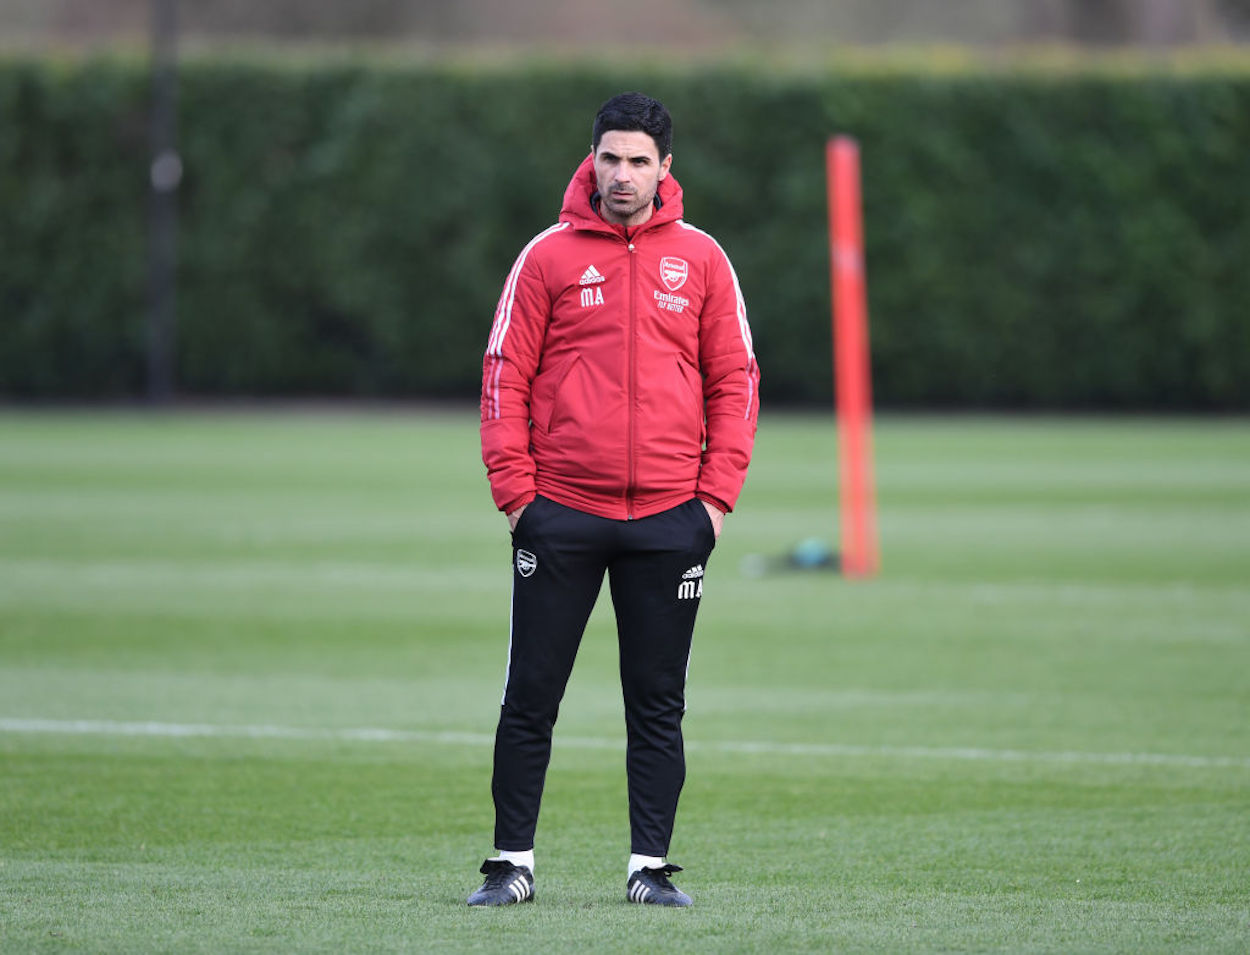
1036,238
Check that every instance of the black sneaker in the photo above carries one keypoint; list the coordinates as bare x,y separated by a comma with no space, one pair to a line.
505,884
651,887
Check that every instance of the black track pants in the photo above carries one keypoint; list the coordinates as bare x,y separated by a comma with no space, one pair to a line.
655,569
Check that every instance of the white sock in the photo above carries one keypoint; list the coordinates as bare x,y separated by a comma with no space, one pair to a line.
525,858
637,862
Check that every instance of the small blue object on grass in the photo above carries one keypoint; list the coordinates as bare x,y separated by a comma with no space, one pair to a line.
811,553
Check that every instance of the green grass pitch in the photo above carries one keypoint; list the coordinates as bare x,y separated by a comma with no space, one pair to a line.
250,665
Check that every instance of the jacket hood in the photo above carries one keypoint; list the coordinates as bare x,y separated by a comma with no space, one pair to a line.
579,211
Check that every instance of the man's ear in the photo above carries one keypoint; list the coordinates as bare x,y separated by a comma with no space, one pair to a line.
666,165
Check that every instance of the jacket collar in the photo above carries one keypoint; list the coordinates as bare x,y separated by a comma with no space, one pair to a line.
581,201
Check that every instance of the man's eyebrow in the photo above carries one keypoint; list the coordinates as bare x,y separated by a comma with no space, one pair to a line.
609,155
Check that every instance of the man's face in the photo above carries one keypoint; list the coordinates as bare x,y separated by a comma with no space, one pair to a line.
628,170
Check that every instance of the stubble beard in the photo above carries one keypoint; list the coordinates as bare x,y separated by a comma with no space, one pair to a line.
622,211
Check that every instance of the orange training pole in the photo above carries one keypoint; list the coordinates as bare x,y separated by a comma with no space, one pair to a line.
852,376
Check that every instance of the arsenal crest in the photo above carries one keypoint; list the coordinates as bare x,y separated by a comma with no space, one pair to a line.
673,272
526,563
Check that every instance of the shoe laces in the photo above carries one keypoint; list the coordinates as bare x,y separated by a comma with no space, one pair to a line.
662,873
498,873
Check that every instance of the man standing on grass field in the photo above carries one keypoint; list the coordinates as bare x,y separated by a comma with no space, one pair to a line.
619,403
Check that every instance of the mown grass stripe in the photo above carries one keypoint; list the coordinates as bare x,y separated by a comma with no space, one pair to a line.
761,747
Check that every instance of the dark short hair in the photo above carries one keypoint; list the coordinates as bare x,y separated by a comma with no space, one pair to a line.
634,112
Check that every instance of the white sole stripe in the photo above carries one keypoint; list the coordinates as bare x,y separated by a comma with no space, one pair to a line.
758,748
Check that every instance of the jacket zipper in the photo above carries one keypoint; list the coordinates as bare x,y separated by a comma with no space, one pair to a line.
633,385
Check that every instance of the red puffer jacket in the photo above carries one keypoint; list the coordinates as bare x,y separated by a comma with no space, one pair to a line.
619,378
